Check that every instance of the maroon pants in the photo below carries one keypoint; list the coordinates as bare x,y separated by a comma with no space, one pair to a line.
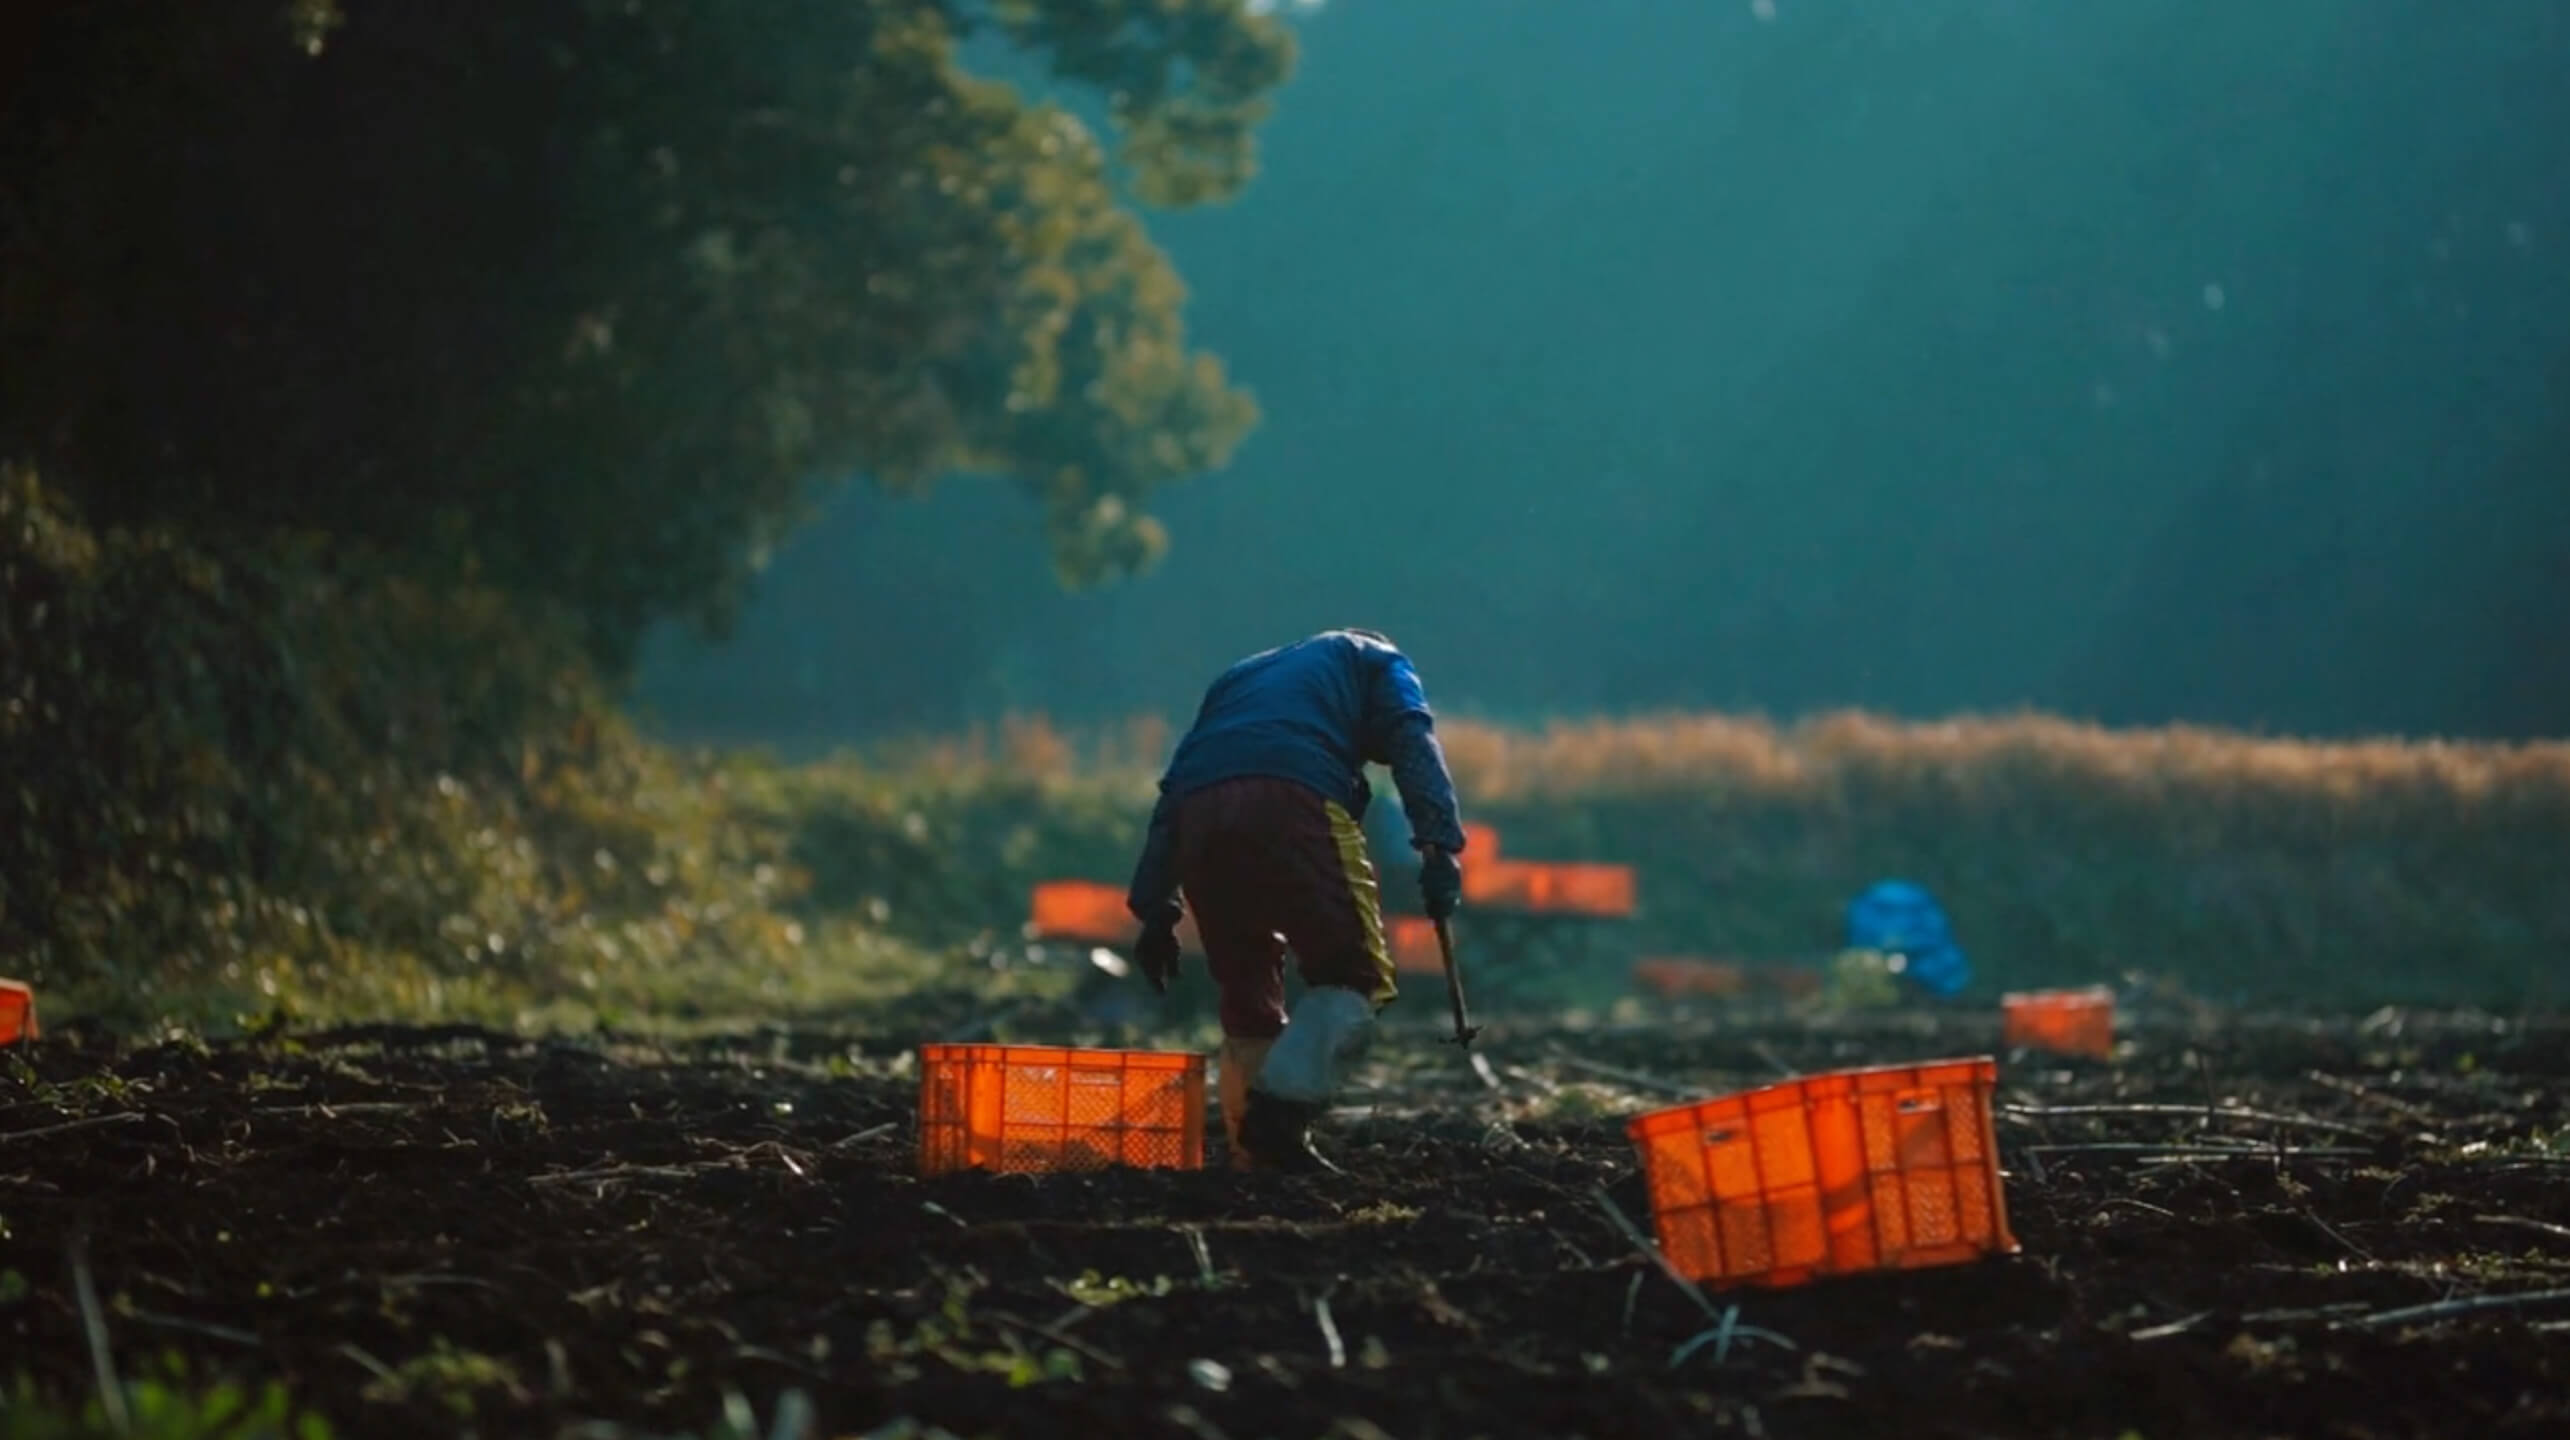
1269,865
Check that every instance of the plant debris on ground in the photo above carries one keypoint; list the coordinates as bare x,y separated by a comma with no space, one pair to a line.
2244,1227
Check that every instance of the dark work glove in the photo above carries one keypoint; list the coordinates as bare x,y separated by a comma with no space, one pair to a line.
1157,953
1440,882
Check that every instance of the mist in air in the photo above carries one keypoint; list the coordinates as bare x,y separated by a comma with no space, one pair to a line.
2143,361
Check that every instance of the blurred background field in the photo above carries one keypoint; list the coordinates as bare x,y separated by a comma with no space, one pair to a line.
488,555
349,795
606,519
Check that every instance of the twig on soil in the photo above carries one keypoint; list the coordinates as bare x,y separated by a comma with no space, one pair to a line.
1721,1336
869,1133
2175,1327
2446,1309
93,1122
779,1359
193,1327
1330,1332
1481,1068
2355,1091
2204,1073
1634,1078
2260,1117
93,1325
377,1368
1632,1297
1759,1049
2129,1202
1047,1332
1651,1252
469,1281
329,1111
606,1173
2334,1233
1726,1319
2232,1152
2316,1312
2540,1227
1203,1252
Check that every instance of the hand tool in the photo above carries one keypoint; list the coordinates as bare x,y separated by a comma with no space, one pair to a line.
1464,1028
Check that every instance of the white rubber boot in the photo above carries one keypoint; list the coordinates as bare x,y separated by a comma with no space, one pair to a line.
1309,1062
1301,1076
1241,1059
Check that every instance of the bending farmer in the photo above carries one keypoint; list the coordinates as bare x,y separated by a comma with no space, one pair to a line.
1257,823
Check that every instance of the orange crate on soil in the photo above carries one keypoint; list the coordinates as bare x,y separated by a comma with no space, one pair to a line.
1480,842
1413,940
1676,975
17,1012
1081,910
1886,1168
1048,1107
2069,1022
1087,912
1544,885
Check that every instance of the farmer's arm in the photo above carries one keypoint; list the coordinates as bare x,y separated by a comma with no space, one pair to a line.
1405,740
1153,896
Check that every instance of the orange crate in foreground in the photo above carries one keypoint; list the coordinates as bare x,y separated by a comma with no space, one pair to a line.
1885,1168
1045,1107
2069,1022
17,1011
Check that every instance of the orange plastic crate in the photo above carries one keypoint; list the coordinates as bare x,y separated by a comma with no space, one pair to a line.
1480,843
1676,975
1087,912
1886,1168
17,1011
2068,1022
1545,885
1046,1107
1081,910
1413,940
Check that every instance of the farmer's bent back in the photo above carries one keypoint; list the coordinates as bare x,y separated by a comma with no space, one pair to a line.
1258,825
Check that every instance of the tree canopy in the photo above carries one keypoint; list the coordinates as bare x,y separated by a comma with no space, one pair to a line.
593,299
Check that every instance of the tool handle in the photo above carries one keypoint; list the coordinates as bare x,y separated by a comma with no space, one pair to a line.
1464,1030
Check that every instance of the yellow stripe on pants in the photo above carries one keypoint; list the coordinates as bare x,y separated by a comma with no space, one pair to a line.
1368,898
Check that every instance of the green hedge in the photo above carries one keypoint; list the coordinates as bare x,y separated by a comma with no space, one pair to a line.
278,772
271,773
2245,868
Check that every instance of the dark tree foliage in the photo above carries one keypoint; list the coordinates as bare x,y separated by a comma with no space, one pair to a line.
592,299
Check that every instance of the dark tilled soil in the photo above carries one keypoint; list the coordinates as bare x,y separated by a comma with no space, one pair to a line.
441,1232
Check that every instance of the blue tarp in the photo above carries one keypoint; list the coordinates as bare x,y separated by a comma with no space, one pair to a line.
1900,918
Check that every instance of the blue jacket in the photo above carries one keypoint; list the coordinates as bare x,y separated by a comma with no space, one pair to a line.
1317,712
